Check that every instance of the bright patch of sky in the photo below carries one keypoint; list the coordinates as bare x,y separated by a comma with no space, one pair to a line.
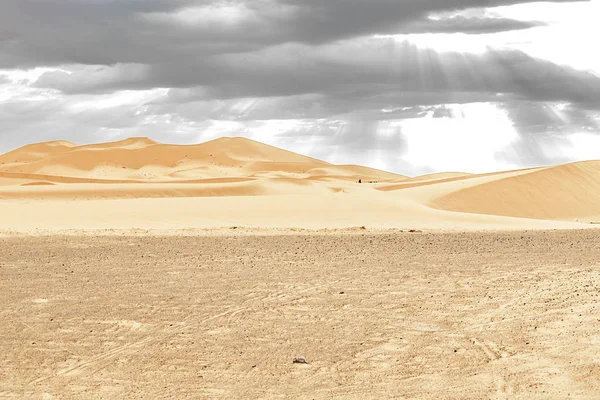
568,38
118,99
222,14
468,141
585,146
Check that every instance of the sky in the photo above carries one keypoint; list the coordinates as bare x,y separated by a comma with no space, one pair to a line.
409,86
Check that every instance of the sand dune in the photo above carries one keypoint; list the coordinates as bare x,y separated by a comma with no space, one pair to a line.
142,158
237,181
562,192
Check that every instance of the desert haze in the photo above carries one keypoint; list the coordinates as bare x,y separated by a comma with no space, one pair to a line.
134,270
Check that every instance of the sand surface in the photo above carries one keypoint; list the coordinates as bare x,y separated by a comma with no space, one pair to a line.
141,184
135,270
388,315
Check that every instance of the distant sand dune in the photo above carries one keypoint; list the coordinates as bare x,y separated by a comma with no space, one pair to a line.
120,160
243,182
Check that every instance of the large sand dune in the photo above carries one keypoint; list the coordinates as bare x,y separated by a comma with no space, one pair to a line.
139,183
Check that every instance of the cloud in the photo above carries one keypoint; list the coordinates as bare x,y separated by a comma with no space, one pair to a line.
91,78
462,24
268,48
359,75
534,118
159,32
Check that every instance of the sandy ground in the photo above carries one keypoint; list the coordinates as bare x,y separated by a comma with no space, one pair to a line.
384,315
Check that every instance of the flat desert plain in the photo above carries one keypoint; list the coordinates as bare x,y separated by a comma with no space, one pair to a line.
388,315
135,270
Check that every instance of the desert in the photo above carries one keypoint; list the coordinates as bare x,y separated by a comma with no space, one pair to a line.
138,183
135,269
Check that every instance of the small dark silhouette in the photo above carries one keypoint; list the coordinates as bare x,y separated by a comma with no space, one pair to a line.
360,181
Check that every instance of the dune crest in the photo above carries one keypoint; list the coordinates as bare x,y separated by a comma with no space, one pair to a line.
130,143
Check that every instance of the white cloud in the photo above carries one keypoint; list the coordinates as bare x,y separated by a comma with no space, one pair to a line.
16,86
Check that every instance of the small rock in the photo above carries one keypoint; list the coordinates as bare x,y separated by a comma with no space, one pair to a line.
299,360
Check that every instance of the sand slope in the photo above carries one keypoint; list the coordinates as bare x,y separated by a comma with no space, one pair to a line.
562,192
139,183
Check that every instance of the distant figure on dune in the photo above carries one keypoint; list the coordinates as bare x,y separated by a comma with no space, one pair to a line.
360,181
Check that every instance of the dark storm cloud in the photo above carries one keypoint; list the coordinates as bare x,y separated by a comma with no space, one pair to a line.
369,74
105,32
